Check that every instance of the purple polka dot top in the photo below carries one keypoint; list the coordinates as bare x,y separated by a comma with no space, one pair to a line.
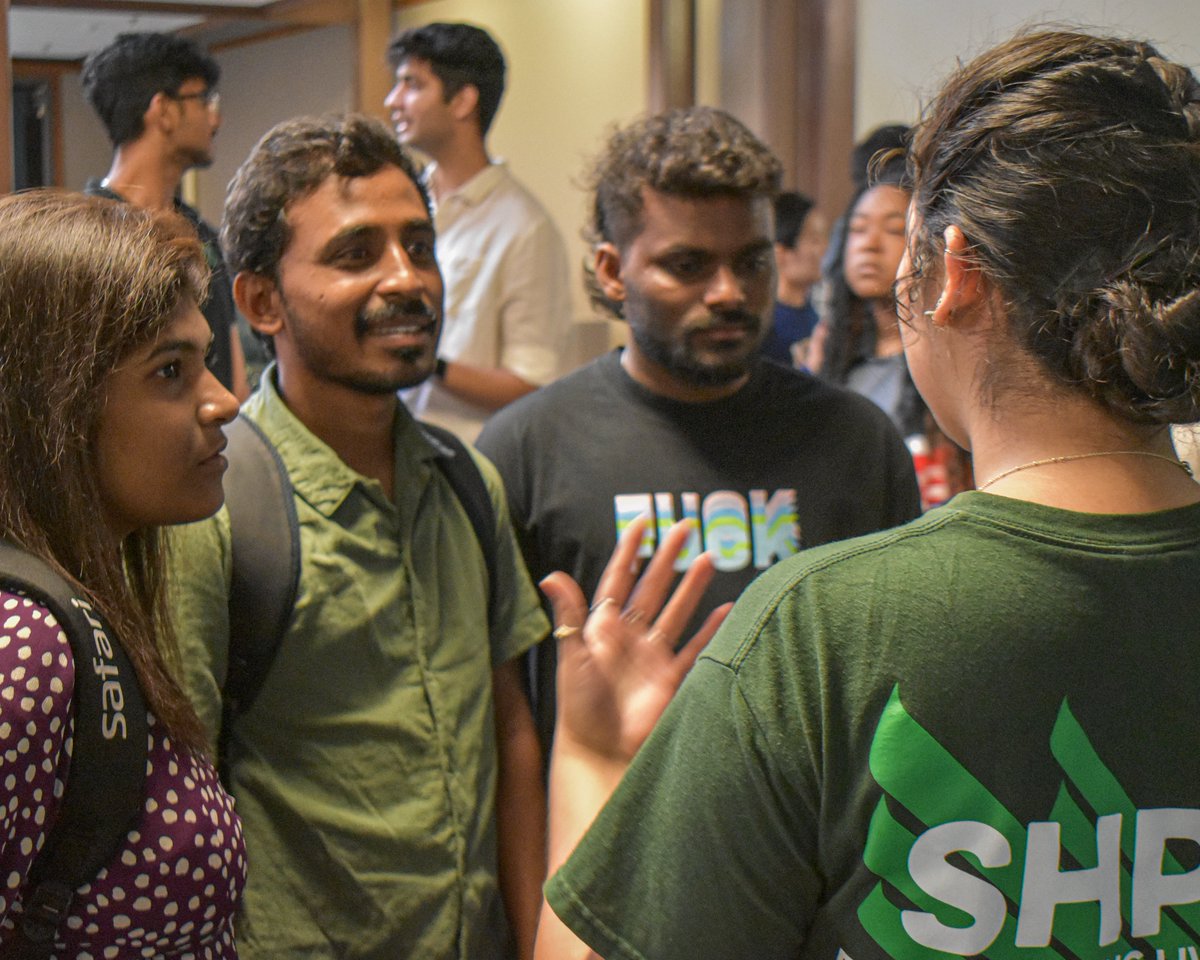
172,888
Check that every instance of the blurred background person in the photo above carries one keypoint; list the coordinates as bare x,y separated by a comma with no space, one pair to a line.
862,348
800,237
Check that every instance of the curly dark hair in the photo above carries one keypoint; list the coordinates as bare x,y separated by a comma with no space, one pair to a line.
292,160
459,54
692,152
121,80
1072,165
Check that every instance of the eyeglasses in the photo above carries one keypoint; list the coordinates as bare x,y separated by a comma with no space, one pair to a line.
210,98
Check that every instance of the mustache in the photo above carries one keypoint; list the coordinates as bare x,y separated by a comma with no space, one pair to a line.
413,311
729,318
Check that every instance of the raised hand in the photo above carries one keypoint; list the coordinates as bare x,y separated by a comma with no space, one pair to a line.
617,663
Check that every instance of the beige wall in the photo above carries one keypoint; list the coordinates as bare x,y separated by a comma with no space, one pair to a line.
574,68
86,150
264,83
906,49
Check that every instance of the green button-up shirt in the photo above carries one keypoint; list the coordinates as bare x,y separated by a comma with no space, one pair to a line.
365,771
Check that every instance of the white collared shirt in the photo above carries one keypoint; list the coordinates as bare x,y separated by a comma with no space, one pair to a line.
507,304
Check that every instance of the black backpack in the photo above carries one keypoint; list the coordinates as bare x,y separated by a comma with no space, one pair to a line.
266,573
108,759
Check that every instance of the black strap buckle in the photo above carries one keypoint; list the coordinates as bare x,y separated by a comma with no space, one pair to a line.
44,910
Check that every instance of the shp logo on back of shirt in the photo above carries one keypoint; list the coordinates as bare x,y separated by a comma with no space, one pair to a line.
1096,875
740,531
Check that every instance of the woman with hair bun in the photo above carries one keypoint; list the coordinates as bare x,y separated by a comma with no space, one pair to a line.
110,428
974,734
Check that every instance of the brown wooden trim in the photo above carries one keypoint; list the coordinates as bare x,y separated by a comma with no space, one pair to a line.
51,71
213,12
44,68
671,57
373,80
313,12
6,107
835,93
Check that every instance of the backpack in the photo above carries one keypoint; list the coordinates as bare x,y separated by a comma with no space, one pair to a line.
266,574
108,759
265,551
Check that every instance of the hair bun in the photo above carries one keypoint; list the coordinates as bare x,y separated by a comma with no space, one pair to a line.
1144,360
1183,90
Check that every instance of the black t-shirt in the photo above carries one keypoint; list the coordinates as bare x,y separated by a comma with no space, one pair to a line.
218,307
787,462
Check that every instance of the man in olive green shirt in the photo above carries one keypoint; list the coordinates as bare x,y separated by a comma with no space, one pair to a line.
388,774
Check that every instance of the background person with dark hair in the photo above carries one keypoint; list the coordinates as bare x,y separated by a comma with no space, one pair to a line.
862,346
156,94
688,421
799,247
508,307
972,735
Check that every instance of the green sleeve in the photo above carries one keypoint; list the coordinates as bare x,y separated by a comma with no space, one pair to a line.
520,620
708,847
200,569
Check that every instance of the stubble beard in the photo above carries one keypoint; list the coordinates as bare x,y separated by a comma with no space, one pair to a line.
679,359
322,362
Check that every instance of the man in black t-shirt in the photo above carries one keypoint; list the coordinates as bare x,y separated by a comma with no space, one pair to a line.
156,95
687,420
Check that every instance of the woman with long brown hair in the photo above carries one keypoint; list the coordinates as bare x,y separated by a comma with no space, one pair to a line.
110,427
973,734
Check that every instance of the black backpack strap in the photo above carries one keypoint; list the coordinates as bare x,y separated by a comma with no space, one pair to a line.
460,470
265,548
106,783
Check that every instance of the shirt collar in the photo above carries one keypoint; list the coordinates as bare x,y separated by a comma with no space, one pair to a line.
317,474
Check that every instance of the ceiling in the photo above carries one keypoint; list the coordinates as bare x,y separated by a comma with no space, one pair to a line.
69,30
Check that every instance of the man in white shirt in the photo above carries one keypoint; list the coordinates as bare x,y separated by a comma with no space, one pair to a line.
503,260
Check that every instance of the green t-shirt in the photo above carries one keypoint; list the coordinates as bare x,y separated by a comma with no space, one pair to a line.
973,734
365,771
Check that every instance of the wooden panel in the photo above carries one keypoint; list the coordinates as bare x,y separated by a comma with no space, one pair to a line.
374,80
52,72
787,71
671,59
6,107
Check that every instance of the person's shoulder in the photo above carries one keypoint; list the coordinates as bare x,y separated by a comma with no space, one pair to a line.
831,579
559,400
784,383
516,199
35,656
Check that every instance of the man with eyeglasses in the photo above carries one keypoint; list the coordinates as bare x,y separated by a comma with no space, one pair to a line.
156,96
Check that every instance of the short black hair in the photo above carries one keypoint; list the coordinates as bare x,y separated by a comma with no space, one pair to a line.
458,54
121,80
791,209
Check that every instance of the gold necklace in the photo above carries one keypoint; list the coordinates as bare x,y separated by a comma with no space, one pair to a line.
1186,468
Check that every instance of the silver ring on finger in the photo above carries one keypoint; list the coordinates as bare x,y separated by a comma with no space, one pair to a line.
601,604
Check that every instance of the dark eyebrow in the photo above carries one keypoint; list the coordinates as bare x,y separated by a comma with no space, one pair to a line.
181,345
361,230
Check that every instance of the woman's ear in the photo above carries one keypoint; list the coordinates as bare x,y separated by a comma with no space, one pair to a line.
607,264
963,283
258,299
